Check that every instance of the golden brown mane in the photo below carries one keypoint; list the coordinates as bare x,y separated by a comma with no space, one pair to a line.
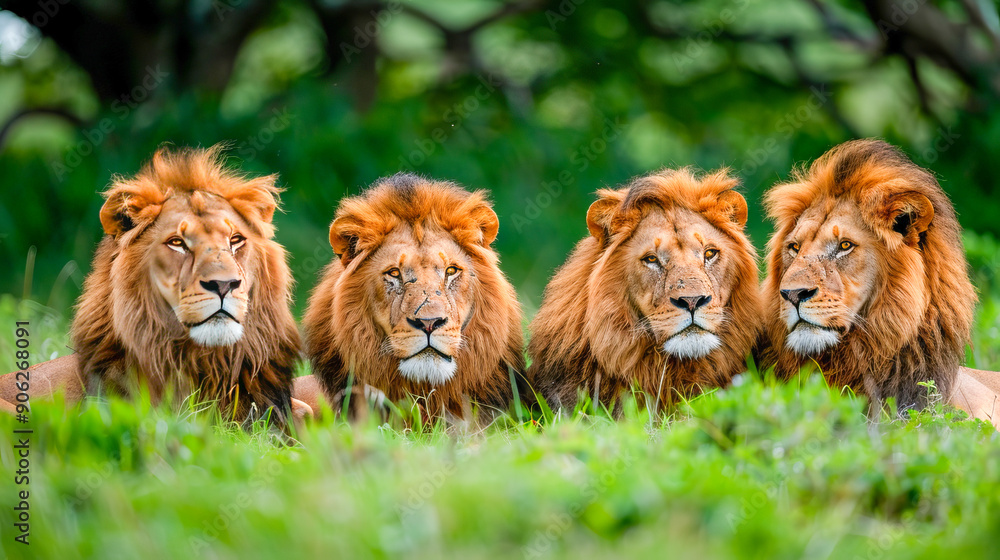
898,343
341,332
123,332
588,335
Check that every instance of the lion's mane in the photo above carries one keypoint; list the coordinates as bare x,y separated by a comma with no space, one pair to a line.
342,338
123,333
584,336
897,345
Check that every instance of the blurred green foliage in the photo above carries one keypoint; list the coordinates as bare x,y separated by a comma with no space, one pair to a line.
557,102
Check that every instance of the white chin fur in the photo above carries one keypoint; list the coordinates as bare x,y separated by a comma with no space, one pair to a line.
691,345
428,367
808,341
221,332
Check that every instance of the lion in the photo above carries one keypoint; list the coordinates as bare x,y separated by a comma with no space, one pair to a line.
867,277
662,294
188,294
414,304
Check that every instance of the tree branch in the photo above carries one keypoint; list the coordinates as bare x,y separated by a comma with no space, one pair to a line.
27,112
927,32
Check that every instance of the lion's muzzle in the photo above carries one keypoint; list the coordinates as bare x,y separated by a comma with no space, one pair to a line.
693,335
222,309
431,363
807,335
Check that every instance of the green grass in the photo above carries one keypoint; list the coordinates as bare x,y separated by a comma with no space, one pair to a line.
759,470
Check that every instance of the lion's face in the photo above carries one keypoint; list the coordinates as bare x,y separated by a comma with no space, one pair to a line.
866,275
188,292
415,303
830,267
197,263
678,270
422,300
662,295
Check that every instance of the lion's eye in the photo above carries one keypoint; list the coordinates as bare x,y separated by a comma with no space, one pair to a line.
451,271
711,254
394,272
846,245
793,247
237,241
177,244
650,259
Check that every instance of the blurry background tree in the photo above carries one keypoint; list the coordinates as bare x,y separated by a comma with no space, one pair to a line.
540,102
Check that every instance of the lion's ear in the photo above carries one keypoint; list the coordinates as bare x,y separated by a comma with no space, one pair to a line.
600,213
733,206
128,206
488,223
908,214
345,232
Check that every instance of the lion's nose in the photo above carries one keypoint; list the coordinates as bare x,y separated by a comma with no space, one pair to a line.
428,325
220,287
797,296
690,303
